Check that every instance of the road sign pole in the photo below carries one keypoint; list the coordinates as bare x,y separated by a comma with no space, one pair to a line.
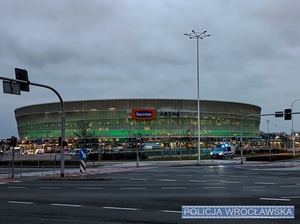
83,156
82,166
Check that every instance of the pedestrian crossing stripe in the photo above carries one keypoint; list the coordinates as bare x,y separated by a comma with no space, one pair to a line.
278,164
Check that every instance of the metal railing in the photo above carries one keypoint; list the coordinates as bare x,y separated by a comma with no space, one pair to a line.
11,168
43,165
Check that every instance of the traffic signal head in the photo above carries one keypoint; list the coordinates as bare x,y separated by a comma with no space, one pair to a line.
13,141
22,74
64,142
288,114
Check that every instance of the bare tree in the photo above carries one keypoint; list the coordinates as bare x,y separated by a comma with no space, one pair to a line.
84,133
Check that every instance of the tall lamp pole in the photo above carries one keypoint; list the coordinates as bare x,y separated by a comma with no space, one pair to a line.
293,132
198,35
268,142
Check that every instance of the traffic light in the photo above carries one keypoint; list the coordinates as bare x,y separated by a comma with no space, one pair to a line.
64,142
13,141
22,74
288,114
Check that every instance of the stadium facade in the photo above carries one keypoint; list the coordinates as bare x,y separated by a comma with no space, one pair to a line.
120,119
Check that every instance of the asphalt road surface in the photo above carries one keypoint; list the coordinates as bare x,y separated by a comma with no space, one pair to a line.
154,193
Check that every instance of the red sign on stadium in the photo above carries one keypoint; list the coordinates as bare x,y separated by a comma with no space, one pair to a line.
143,114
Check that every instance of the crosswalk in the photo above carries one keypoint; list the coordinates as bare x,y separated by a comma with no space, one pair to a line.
274,164
109,170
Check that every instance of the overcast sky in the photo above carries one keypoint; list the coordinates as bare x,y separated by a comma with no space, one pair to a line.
118,49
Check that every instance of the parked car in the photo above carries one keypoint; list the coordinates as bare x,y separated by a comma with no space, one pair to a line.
119,149
39,151
29,152
90,151
74,152
77,151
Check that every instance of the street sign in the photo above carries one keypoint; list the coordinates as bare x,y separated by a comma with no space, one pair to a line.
279,114
83,154
39,141
22,74
11,87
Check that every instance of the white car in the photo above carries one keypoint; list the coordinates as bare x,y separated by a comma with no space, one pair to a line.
39,151
223,151
29,152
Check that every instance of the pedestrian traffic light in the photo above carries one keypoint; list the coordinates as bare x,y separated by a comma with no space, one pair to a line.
288,114
22,74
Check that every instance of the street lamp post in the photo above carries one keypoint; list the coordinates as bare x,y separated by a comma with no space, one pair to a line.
293,132
268,141
198,35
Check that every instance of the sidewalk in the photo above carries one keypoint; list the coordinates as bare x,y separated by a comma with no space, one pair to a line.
91,169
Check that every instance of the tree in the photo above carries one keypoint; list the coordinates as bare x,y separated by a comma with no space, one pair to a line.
83,133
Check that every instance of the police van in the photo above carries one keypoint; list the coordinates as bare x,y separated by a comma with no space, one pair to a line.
222,151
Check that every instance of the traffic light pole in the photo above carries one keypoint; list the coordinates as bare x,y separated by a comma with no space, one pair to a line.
254,115
241,131
63,119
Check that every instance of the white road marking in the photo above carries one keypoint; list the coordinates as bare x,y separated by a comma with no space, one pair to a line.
291,197
213,187
138,179
90,188
173,188
290,186
67,205
21,202
254,187
239,176
197,181
120,208
268,177
16,187
170,211
167,180
49,187
263,183
230,182
274,199
133,188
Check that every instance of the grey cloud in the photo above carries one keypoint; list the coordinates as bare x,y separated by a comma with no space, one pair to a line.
133,49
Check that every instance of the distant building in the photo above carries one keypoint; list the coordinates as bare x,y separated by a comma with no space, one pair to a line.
121,119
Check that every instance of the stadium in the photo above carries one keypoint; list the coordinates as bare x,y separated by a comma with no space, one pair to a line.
118,121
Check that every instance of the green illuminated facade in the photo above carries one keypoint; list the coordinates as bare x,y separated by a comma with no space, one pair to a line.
175,118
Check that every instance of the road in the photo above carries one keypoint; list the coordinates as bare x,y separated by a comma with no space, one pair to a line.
153,193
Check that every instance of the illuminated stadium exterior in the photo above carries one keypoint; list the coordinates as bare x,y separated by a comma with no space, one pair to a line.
121,119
